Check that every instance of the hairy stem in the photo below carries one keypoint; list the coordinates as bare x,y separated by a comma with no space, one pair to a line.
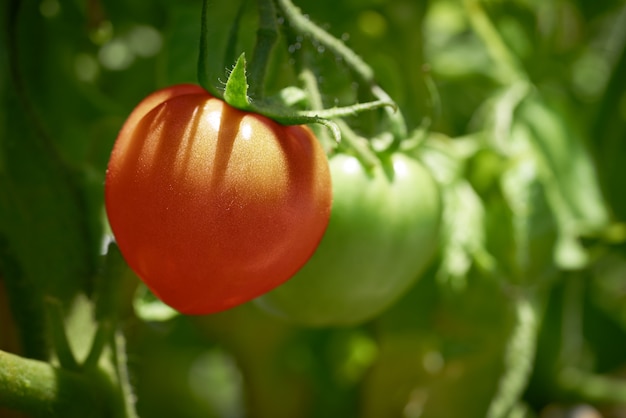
519,357
306,27
309,80
59,337
41,390
359,145
360,68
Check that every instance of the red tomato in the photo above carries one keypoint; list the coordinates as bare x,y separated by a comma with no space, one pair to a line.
212,206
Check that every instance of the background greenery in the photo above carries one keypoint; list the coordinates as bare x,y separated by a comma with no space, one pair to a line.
522,314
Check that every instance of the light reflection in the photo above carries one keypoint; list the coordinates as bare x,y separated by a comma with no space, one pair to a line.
49,8
351,166
246,131
119,53
86,67
590,74
145,41
214,120
116,55
400,168
372,23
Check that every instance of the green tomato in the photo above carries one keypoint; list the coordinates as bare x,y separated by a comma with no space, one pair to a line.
382,233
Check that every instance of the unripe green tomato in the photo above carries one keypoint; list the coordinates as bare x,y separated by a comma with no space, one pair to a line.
382,233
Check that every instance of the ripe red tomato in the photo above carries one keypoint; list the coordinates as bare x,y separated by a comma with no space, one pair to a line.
212,206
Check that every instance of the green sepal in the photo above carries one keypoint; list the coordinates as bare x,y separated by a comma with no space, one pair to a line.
286,116
236,92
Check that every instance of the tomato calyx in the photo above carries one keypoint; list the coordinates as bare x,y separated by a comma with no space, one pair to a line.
250,97
236,95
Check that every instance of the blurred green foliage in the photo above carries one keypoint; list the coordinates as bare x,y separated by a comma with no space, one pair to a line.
523,314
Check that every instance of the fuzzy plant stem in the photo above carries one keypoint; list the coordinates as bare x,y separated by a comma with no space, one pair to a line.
41,390
519,356
361,69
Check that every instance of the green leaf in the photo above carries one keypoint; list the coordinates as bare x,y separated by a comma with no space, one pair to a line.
534,227
180,44
111,285
609,127
43,222
212,40
463,240
567,164
429,335
569,177
236,93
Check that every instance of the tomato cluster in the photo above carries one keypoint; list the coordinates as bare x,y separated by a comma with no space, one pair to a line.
212,206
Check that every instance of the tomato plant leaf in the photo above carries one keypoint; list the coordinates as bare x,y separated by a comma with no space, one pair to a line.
566,162
216,44
608,129
42,206
570,181
533,224
463,234
463,239
428,334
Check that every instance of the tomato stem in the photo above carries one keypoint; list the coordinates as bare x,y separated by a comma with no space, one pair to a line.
108,337
267,34
100,341
305,26
120,362
38,388
108,285
509,67
343,111
360,68
519,355
308,78
60,341
359,145
397,124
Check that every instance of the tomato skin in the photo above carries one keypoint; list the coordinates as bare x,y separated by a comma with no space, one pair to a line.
212,206
382,234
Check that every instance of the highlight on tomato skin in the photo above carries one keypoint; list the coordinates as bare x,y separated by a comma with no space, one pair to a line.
212,206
